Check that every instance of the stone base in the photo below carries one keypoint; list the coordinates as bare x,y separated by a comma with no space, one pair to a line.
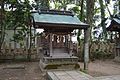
59,65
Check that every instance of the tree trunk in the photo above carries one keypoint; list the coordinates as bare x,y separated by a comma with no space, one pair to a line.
87,32
119,7
64,5
81,18
103,19
14,42
30,43
82,11
2,27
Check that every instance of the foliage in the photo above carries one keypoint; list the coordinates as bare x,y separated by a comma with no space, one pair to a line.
102,14
18,13
17,16
42,4
101,55
103,18
62,4
80,9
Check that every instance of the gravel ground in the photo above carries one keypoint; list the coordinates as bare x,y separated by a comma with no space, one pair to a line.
31,71
103,68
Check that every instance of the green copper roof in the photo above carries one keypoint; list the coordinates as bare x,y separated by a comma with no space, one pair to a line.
52,18
57,19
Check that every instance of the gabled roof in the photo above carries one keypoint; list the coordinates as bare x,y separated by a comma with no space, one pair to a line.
115,24
61,19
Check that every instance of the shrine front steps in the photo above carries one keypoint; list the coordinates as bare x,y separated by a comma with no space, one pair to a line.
59,63
46,67
60,50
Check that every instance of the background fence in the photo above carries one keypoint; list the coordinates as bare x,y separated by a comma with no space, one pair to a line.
98,50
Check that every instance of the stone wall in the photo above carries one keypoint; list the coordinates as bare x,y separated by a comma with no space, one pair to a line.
97,50
19,53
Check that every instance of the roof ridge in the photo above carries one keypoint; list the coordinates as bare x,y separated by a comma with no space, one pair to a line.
58,12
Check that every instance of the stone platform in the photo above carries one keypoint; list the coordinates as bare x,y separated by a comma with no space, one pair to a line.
76,75
59,61
68,75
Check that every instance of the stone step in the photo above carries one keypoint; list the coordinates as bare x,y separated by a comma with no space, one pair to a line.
61,50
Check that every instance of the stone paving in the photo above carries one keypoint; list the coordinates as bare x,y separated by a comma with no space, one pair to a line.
113,77
77,75
68,75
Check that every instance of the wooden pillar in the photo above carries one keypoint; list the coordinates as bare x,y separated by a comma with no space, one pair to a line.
51,49
86,49
70,45
66,41
119,45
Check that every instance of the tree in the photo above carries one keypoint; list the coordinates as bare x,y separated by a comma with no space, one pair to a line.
102,8
42,4
61,4
87,33
81,18
16,16
2,28
119,7
19,17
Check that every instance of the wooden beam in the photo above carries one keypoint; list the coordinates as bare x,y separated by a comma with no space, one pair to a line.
62,25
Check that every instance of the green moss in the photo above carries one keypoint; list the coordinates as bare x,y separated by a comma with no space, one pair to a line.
51,67
77,66
56,66
84,71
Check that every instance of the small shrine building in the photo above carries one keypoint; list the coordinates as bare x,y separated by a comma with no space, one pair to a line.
56,40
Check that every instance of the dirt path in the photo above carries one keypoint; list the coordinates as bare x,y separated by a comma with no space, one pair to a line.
103,68
30,72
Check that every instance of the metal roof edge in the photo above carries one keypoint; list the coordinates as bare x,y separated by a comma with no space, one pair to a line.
77,26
